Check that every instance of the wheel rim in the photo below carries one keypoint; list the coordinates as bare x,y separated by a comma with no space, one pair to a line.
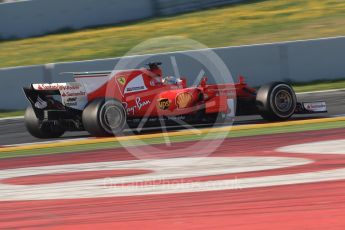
112,117
283,101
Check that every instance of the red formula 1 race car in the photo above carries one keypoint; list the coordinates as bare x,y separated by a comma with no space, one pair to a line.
104,103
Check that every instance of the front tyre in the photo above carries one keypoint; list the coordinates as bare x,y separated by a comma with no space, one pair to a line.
41,130
103,117
276,101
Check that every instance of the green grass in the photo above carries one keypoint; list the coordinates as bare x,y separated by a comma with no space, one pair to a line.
4,113
319,85
257,22
228,135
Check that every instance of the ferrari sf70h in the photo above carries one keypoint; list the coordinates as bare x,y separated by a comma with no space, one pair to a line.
105,103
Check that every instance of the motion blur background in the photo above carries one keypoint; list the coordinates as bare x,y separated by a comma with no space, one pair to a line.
36,32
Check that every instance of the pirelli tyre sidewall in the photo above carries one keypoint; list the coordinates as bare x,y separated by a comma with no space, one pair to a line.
104,117
41,130
276,101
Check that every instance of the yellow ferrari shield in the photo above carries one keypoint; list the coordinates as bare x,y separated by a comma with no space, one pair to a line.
121,80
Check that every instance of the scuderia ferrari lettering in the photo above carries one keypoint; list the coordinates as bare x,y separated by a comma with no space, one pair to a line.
73,94
57,86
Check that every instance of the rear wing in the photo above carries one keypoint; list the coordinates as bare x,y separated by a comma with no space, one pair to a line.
105,73
69,86
71,94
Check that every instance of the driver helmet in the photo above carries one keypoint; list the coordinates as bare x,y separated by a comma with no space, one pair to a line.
171,80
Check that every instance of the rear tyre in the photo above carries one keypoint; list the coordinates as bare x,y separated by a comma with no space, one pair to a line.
41,130
104,117
276,101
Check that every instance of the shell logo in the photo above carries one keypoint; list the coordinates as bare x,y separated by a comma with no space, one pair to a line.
183,100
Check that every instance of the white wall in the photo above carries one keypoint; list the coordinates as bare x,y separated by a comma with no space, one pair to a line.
37,17
11,82
299,61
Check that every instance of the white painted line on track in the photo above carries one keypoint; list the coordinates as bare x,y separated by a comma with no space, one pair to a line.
320,147
181,170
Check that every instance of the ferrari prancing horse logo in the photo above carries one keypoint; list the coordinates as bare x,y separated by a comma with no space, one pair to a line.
121,80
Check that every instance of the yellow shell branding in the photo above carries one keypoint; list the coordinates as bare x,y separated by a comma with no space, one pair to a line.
121,80
183,100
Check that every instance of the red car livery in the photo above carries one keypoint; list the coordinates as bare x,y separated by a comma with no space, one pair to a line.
104,103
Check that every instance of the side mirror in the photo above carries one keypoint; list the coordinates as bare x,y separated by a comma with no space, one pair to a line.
241,79
203,82
184,82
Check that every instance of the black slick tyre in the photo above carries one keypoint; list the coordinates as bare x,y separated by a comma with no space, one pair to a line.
276,101
41,130
104,117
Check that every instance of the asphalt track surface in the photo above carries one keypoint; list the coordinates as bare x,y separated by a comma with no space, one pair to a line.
297,191
14,132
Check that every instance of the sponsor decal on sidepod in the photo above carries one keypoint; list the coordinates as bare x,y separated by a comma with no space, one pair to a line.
163,103
183,100
139,104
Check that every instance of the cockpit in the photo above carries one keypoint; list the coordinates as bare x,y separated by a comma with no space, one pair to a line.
155,69
171,80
